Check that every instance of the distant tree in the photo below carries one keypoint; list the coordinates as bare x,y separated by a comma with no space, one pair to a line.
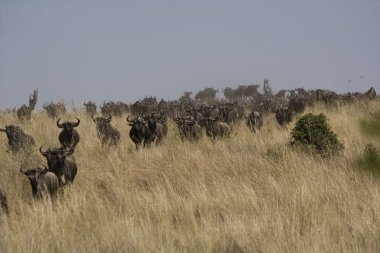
228,93
267,90
240,91
206,94
251,90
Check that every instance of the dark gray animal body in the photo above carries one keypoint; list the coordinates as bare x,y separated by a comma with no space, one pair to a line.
106,133
297,104
157,125
216,129
140,132
68,137
188,128
255,121
43,182
284,115
198,116
62,163
17,139
3,202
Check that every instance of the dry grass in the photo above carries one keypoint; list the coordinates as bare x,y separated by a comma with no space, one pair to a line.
248,193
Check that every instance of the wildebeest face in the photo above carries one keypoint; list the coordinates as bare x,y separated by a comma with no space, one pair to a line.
11,131
151,120
33,175
57,156
136,122
68,126
102,121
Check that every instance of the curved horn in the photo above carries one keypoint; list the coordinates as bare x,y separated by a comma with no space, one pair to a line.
128,119
23,170
3,130
109,118
59,125
76,124
42,152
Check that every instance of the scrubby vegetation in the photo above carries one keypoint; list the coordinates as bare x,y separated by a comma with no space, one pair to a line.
312,132
246,193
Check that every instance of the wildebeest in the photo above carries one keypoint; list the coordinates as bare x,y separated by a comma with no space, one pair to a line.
25,112
229,113
284,115
188,128
54,110
140,132
68,137
43,182
254,121
157,125
297,104
198,116
61,163
17,139
106,132
216,129
90,108
3,202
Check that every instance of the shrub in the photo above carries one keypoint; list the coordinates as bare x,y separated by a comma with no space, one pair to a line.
312,132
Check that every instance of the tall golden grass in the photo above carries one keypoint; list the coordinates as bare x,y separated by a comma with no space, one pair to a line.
248,193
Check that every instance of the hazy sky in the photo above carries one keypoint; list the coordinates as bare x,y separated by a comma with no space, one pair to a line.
77,50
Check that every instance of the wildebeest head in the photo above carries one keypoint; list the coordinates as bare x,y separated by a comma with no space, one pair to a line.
56,158
154,118
102,122
33,175
208,121
11,131
68,126
17,139
185,120
137,123
140,132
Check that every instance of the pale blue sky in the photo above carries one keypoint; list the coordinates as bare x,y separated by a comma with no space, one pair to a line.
77,50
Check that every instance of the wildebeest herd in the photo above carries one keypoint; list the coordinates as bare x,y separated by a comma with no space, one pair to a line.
148,127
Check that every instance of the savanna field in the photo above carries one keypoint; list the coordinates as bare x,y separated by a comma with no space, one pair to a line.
246,193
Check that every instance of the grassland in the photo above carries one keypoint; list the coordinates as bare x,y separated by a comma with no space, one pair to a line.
248,193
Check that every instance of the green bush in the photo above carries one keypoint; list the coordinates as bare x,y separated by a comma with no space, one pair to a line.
312,132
